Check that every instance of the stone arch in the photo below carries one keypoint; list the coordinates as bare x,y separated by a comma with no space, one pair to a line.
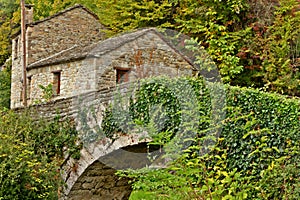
98,163
100,182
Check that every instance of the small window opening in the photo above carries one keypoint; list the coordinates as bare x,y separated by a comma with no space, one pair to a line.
28,87
21,90
16,48
122,75
56,82
21,95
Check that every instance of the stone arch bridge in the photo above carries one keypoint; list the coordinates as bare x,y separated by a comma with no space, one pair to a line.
93,175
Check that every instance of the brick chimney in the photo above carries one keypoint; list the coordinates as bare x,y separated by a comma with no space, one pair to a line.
29,13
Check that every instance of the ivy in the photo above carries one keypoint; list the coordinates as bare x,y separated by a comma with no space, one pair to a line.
260,133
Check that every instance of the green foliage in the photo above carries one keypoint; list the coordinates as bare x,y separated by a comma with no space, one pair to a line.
159,184
212,23
259,138
7,8
4,42
47,92
7,26
271,122
273,53
158,101
126,15
281,179
150,96
31,153
5,88
279,73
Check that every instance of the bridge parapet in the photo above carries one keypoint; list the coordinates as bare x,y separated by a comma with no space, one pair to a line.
68,107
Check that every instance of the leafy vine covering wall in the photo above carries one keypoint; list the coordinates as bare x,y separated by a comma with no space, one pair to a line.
259,140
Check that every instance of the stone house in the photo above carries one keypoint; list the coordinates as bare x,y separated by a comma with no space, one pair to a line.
70,52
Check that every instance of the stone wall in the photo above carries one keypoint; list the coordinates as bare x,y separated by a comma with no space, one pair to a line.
146,56
100,182
69,107
76,26
146,63
16,73
76,78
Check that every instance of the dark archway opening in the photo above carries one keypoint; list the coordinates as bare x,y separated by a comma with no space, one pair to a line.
99,180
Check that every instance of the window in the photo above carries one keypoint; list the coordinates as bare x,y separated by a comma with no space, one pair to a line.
28,87
122,75
56,82
16,43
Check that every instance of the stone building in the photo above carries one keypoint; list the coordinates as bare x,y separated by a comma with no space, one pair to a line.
69,53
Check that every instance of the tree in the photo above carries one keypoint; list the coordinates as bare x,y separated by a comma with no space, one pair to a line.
270,55
127,15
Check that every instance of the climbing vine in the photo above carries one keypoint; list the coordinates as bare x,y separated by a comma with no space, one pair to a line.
259,134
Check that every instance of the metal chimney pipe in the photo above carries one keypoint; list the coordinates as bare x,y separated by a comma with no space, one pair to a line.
23,38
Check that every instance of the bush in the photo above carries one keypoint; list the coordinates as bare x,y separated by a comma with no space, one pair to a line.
31,153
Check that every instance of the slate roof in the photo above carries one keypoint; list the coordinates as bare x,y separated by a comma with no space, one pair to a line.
97,49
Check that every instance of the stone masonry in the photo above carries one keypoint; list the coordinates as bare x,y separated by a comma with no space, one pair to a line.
74,26
100,182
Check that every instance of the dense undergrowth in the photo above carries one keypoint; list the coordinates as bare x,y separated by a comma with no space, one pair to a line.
31,153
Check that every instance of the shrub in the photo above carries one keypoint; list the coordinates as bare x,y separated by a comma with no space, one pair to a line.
31,153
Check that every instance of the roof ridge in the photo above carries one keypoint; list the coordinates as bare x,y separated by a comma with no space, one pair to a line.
106,46
62,12
130,35
57,14
52,56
